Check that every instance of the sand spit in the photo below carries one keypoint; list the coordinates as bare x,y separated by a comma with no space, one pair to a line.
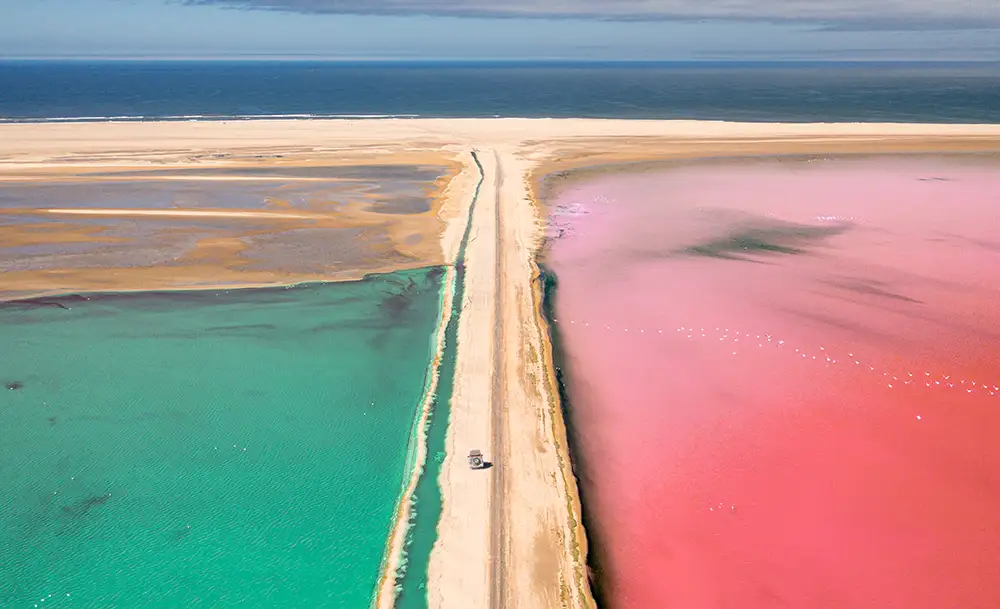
460,190
509,536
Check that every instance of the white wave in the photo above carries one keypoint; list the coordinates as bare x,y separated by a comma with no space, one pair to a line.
196,117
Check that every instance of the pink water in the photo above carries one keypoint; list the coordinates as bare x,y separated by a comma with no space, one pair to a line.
809,430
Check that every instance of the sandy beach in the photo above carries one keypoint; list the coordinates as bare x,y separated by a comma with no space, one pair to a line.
512,535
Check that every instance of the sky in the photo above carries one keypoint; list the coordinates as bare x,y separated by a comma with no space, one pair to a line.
503,29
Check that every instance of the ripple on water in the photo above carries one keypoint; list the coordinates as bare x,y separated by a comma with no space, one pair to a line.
208,448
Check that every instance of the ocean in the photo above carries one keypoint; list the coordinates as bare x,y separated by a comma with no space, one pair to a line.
790,92
209,448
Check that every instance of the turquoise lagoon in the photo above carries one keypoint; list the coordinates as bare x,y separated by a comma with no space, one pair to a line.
241,448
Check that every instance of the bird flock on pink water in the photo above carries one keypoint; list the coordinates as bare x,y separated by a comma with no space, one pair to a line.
732,337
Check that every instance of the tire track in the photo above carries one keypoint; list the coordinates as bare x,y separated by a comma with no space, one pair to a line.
498,494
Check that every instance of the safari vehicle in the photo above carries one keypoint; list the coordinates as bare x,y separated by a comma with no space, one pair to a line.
476,459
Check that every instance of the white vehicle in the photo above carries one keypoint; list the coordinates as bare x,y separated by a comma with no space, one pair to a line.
476,459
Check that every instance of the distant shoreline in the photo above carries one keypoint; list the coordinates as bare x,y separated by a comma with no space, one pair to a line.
112,120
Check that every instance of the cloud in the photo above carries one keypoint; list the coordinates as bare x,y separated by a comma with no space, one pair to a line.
834,14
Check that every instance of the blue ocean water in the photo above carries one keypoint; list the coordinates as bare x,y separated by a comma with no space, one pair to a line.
899,92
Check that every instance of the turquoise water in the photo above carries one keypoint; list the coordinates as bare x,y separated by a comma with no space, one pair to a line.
422,534
427,497
201,449
426,513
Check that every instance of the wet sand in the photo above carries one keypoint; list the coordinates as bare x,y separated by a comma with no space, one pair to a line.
786,391
78,230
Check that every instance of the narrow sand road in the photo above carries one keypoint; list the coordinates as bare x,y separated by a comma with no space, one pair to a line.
515,525
498,422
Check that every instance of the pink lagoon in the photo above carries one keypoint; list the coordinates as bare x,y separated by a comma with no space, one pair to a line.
784,380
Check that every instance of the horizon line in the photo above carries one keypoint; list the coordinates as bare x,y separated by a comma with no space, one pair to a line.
413,60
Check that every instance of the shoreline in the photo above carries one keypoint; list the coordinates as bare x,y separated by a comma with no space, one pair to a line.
125,292
582,543
392,571
591,552
552,175
252,118
88,294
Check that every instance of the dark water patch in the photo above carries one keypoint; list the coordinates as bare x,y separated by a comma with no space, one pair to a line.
398,295
168,300
371,324
599,584
267,332
244,329
991,246
760,238
860,331
435,274
56,302
84,506
395,304
181,532
402,205
869,287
